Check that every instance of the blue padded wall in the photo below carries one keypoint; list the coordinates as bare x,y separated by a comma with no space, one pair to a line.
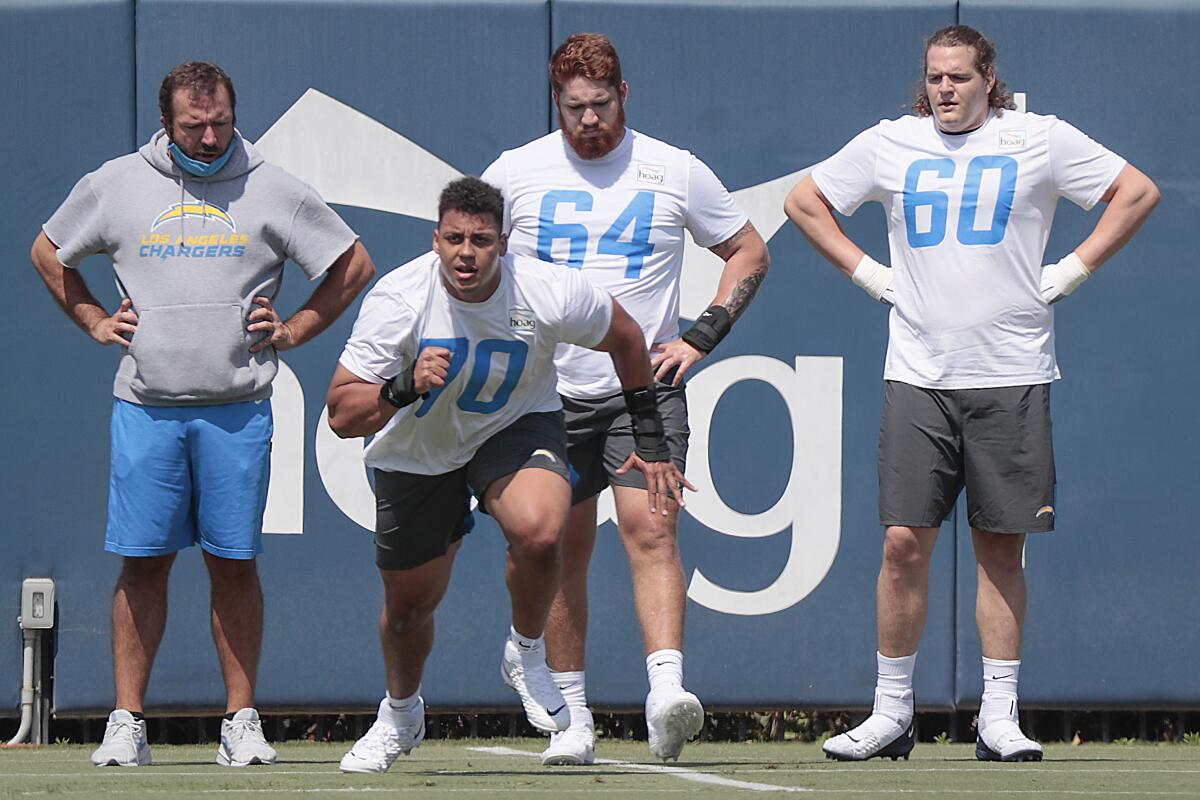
66,116
760,91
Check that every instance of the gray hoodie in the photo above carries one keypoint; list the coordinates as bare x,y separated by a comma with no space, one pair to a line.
191,254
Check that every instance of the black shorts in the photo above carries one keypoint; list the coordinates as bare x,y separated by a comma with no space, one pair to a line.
600,439
418,517
995,441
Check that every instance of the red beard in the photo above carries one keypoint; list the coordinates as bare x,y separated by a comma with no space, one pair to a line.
600,142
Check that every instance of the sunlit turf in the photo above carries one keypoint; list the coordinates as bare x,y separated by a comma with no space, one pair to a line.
508,768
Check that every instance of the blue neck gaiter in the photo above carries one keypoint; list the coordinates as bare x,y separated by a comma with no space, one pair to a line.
201,169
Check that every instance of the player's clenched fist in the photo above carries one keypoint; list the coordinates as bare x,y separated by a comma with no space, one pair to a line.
433,364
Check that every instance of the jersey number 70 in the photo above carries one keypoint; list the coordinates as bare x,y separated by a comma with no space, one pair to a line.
938,202
469,399
639,213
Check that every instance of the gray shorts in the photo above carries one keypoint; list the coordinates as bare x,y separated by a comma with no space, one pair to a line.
996,441
600,438
418,517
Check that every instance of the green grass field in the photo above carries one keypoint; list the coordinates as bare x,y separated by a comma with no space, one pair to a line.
464,769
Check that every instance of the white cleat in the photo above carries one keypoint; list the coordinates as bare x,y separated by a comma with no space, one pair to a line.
124,742
544,705
574,747
242,741
1001,740
380,746
673,716
879,736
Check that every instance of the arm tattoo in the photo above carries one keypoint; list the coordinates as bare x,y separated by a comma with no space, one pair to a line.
724,247
744,292
745,289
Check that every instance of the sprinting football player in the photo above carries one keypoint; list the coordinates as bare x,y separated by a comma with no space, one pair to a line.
969,186
451,368
602,198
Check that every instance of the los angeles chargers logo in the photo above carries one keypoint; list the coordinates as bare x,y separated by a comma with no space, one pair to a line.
193,241
195,210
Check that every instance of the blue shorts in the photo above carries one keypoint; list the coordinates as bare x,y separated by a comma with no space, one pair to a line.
187,474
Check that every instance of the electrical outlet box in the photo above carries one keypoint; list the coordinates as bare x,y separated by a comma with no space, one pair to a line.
37,603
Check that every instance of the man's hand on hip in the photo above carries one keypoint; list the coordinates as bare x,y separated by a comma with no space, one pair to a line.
265,319
675,355
1062,278
113,328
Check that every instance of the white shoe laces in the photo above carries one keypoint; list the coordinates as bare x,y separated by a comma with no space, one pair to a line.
245,729
123,731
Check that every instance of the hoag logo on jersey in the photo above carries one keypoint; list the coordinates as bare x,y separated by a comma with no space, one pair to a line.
521,320
652,173
1012,140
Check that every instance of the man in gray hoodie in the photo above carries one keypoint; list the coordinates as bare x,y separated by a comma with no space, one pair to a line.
198,227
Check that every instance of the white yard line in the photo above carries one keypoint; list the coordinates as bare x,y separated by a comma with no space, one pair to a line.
703,777
660,769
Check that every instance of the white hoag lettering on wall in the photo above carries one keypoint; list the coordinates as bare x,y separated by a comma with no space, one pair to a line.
809,509
810,506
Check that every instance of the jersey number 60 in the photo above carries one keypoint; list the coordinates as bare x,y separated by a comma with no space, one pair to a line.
938,202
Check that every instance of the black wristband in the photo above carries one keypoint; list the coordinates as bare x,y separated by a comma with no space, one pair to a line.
399,390
649,438
708,331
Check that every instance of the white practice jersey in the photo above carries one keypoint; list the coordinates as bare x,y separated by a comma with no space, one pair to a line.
968,220
620,219
502,354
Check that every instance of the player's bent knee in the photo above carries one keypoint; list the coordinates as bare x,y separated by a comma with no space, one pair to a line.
537,541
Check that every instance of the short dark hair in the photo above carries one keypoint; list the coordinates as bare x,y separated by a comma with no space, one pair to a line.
199,77
585,55
985,64
471,196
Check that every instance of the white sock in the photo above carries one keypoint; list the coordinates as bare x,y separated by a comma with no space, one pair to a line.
573,689
400,709
665,668
893,687
533,651
999,690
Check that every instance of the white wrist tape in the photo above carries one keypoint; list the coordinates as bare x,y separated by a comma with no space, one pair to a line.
1059,280
873,278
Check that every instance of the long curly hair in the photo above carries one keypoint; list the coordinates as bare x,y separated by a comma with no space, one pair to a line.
985,64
